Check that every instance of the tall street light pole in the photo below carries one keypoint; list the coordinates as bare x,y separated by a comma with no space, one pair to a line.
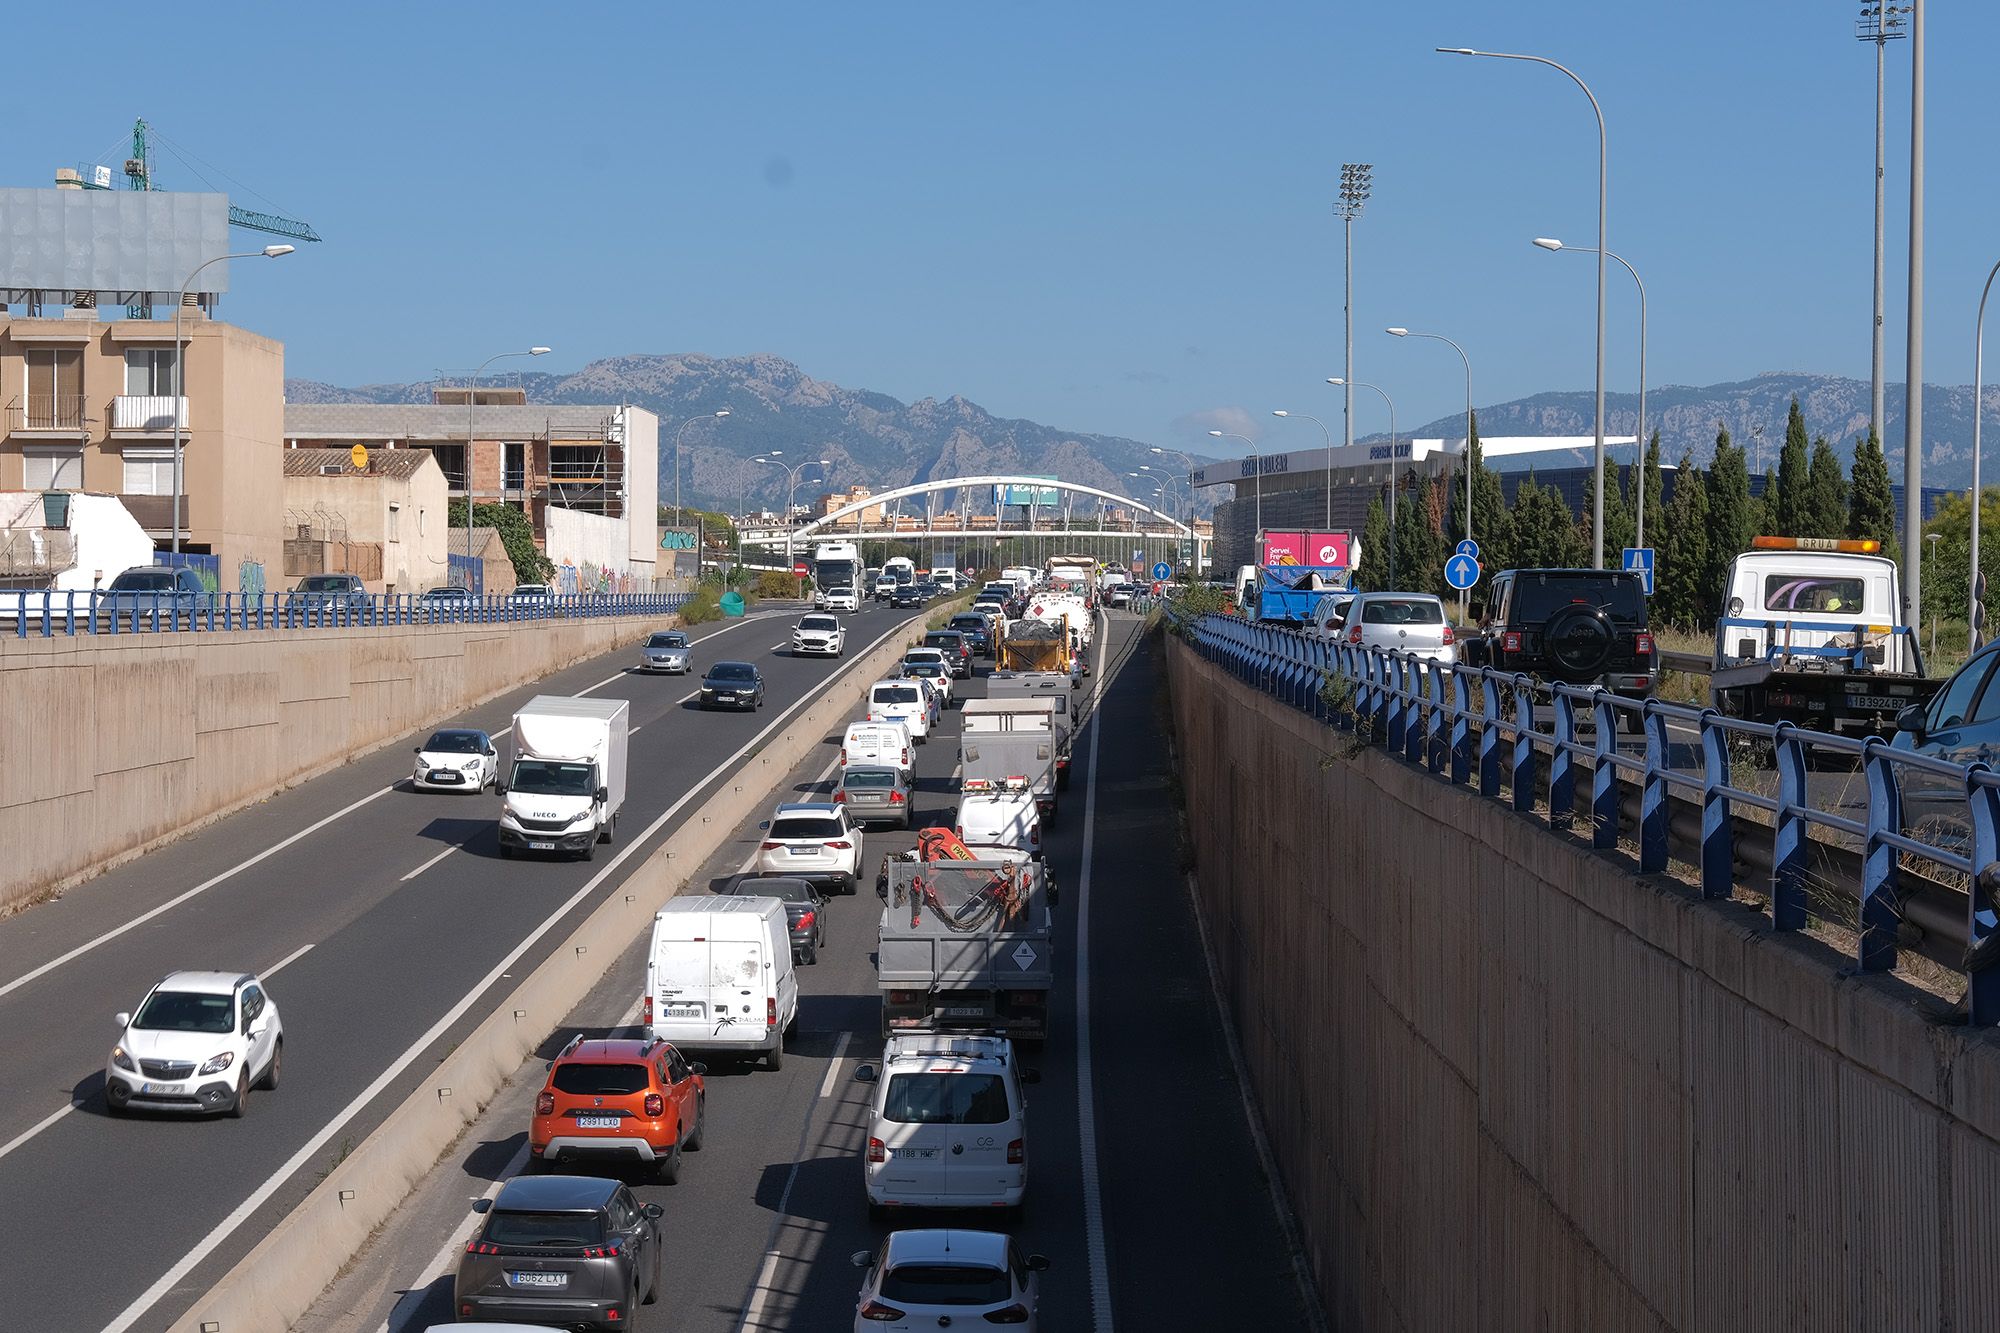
1257,463
1639,521
1439,337
1881,23
792,496
705,416
1394,466
1603,249
180,371
1327,435
1975,605
1355,180
471,402
1913,379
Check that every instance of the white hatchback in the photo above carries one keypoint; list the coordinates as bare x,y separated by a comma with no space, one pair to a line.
926,1279
1408,622
947,1127
456,759
197,1046
904,701
818,634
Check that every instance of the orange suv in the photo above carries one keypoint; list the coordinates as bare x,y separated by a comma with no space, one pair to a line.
623,1100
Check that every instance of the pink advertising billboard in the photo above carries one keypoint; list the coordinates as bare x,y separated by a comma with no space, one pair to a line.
1307,548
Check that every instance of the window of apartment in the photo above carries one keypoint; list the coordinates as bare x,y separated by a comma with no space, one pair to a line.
395,522
514,461
55,388
52,468
149,372
149,472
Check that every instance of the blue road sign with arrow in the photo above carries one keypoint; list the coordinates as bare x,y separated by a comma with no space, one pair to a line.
1639,560
1163,571
1461,571
1468,548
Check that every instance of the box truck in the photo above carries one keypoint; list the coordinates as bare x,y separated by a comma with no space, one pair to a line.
567,784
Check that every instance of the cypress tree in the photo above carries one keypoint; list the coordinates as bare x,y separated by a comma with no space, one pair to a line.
1684,596
1871,505
1492,522
1786,510
1372,574
1655,509
1826,493
1419,544
1545,532
1617,519
1732,518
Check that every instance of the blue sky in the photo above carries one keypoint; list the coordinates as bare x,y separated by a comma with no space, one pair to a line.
1109,217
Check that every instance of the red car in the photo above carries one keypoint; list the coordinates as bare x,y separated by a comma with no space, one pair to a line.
619,1100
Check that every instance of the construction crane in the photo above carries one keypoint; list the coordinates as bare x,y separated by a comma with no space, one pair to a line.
139,176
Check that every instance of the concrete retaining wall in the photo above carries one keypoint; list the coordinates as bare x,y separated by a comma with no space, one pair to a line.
1510,1084
111,745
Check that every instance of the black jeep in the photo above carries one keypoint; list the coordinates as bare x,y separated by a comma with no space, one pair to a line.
1577,626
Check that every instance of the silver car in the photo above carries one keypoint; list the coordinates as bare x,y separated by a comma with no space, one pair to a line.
665,651
873,794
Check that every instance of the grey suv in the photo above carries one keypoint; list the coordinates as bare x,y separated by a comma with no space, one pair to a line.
331,591
571,1251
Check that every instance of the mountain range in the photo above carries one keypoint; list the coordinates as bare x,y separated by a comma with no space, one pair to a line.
883,442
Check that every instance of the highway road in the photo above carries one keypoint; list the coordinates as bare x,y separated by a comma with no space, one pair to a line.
1161,1217
388,926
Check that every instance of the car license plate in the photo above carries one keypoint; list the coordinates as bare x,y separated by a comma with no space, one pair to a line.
683,1011
805,851
443,775
1875,701
917,1154
966,1011
157,1087
597,1122
555,1281
541,846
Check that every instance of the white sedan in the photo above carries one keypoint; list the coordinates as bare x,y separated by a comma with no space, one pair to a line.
456,759
932,1279
818,634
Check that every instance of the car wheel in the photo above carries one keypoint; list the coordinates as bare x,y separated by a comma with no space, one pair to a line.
269,1082
693,1141
241,1106
667,1169
506,852
589,852
610,829
774,1059
653,1282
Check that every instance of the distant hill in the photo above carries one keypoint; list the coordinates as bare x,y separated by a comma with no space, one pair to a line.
1686,418
871,438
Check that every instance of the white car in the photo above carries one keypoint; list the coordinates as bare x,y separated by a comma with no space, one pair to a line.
885,588
1002,814
818,634
197,1046
947,1127
1409,622
812,841
929,664
927,1279
839,598
904,701
456,759
933,690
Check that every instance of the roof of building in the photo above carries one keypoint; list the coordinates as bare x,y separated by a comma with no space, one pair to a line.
400,464
434,421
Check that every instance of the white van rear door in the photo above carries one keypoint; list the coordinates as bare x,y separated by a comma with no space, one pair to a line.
680,978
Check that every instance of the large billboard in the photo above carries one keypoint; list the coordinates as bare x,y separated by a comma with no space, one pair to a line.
1307,548
134,245
1047,497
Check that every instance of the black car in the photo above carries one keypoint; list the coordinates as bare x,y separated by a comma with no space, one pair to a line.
957,649
1577,626
974,627
906,594
732,685
570,1251
805,908
1961,725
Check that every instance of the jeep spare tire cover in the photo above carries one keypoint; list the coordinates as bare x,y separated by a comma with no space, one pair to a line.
1579,640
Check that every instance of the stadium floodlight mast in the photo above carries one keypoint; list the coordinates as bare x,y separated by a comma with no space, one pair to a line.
1394,479
1880,23
1356,180
1639,521
1603,249
1327,435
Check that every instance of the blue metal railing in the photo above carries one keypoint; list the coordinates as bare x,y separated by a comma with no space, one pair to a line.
97,612
1469,724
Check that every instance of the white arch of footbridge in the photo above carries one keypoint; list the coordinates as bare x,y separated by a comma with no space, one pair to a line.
979,483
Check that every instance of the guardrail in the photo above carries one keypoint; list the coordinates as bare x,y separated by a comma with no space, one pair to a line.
48,614
1476,725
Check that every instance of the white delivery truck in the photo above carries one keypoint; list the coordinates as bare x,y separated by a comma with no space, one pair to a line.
719,977
568,780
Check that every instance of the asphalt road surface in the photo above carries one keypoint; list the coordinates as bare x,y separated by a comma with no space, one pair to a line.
1161,1218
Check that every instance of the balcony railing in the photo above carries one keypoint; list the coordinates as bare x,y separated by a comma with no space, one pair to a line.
155,513
151,412
46,411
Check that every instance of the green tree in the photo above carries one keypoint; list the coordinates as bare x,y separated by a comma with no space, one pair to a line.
1655,508
1420,544
1683,594
1618,531
1545,532
1786,508
1871,505
517,537
1372,574
1825,493
1764,508
1492,521
1732,518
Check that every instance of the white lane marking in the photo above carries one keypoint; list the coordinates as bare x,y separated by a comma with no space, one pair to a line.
241,866
633,731
1086,1090
303,1157
833,1069
40,1125
753,1308
199,889
428,864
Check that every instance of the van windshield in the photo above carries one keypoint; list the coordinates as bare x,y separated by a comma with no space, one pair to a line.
945,1099
1801,592
542,777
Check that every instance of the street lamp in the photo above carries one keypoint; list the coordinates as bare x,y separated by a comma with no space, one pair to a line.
1194,539
1327,435
792,493
1603,249
705,416
1257,463
1881,22
1394,479
1975,603
471,401
180,372
1439,337
1355,180
1639,520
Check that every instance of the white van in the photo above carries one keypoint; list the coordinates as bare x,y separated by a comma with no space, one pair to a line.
904,701
1000,814
948,1127
877,745
719,977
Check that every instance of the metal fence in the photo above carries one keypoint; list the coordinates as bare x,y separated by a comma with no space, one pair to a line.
1473,725
97,612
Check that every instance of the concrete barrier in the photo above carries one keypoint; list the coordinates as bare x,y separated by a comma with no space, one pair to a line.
111,745
275,1283
1509,1083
